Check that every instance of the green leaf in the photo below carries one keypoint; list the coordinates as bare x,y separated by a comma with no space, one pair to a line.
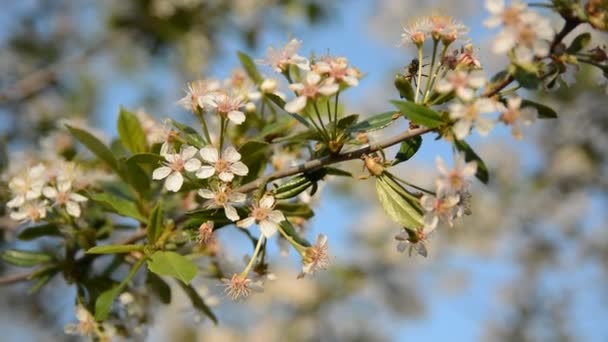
470,155
348,121
104,302
398,208
115,249
165,263
101,151
42,278
276,129
189,134
407,150
406,91
526,79
23,258
419,114
135,176
118,205
544,112
253,154
337,172
375,122
198,302
130,132
250,68
579,43
295,210
145,158
159,286
291,232
281,103
155,223
31,233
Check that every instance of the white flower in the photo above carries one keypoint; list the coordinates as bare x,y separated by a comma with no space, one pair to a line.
416,32
226,106
337,70
34,210
315,257
462,83
309,89
263,214
507,16
175,164
439,209
225,166
454,181
86,325
225,198
471,113
280,60
415,240
446,29
63,196
513,114
27,186
196,91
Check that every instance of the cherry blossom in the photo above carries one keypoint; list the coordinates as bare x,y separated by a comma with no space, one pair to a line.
175,164
455,180
512,115
263,214
226,105
462,83
224,197
279,60
63,196
225,166
469,114
310,89
315,258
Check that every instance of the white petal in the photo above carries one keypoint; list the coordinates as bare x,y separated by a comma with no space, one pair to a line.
206,193
18,215
174,182
205,172
477,80
231,213
351,81
276,216
268,228
296,104
237,197
161,172
246,222
312,78
266,202
329,89
430,220
16,202
503,42
239,168
192,165
64,186
49,192
188,152
514,102
465,94
461,129
495,6
209,154
444,86
226,176
77,197
231,155
73,208
427,202
484,126
236,116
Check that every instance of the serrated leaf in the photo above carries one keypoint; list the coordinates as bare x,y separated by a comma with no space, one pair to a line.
419,114
579,43
155,223
408,149
101,151
159,286
130,132
544,112
166,263
396,206
406,91
250,68
115,249
31,233
118,205
198,302
470,155
24,258
253,154
375,122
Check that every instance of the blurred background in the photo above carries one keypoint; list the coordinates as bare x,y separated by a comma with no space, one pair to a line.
530,264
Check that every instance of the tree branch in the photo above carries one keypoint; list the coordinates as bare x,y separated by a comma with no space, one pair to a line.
15,278
328,160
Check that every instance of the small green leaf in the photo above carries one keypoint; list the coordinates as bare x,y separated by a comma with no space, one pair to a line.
101,151
407,150
291,232
406,91
166,263
23,258
348,121
419,114
31,233
198,302
295,210
281,103
526,79
470,155
42,278
159,286
135,176
544,112
104,302
115,249
250,68
337,172
130,132
145,158
375,122
189,134
579,43
253,154
398,208
155,223
118,205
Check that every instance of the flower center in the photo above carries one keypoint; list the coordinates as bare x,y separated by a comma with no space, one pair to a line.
259,214
455,180
310,90
221,198
221,166
177,164
510,16
510,116
62,198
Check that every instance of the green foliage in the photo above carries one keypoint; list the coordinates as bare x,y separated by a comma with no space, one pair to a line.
101,151
399,208
115,249
24,258
198,302
189,134
254,155
35,232
250,67
167,263
544,112
375,122
118,205
302,210
419,114
470,155
131,133
579,43
403,85
290,231
159,287
408,149
155,223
